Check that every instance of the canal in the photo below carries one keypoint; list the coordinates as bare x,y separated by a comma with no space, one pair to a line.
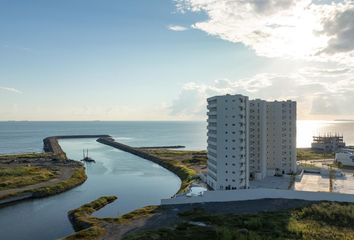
136,182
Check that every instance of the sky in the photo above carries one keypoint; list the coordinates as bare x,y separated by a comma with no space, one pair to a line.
161,59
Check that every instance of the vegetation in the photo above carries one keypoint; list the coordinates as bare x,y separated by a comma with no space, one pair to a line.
310,154
185,164
20,176
309,165
24,156
318,221
139,213
88,227
77,178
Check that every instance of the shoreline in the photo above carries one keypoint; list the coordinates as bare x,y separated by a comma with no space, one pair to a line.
52,157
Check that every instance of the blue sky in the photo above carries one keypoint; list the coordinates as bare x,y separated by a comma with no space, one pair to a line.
120,60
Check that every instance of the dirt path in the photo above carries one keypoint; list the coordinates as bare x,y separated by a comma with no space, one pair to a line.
65,172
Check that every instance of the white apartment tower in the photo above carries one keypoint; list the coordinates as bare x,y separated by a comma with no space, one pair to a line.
258,139
228,142
249,140
281,137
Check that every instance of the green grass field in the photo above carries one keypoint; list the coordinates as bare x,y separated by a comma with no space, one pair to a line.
19,176
309,154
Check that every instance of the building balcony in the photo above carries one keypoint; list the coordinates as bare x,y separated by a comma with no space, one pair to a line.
212,120
211,150
212,105
211,127
211,113
211,135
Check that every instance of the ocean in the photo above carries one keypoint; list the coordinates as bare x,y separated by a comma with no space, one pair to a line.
27,136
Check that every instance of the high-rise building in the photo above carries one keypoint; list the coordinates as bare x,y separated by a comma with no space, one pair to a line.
281,137
258,139
249,140
228,142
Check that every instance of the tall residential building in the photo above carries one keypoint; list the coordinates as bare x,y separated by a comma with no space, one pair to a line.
281,137
258,139
228,142
249,140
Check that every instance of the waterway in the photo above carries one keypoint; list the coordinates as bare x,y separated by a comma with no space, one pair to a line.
136,182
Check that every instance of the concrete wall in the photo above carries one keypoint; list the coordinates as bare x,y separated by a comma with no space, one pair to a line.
253,194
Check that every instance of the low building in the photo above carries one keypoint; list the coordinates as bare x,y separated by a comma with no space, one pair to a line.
328,142
345,157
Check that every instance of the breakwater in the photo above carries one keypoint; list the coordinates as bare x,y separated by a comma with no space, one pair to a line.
51,144
164,147
181,171
136,151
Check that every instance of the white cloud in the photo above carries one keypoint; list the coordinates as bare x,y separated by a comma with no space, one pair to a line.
315,95
8,89
177,28
300,29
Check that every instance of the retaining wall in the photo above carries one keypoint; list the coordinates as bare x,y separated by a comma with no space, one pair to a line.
254,194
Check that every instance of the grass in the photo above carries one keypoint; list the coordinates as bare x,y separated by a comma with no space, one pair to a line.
309,165
88,227
24,156
309,154
185,164
318,221
77,178
139,213
20,176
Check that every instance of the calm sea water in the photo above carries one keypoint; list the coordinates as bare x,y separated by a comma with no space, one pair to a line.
27,136
135,181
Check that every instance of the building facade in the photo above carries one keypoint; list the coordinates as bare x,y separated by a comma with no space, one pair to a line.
258,139
281,137
249,140
228,142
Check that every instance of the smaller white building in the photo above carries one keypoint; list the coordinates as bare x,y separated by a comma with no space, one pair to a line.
345,157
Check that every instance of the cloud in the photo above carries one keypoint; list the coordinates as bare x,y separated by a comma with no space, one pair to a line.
13,90
300,29
315,95
177,28
340,29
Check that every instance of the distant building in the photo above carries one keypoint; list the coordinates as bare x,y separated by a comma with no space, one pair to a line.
249,140
328,142
345,157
